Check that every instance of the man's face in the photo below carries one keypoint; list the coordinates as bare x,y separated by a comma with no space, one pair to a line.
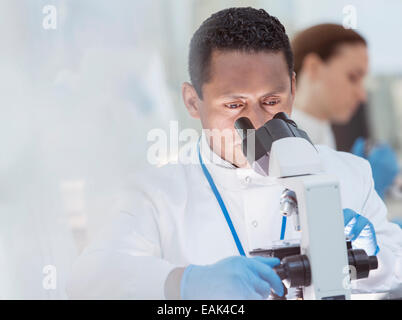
241,84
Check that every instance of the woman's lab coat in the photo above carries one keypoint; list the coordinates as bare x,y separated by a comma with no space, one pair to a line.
171,218
319,131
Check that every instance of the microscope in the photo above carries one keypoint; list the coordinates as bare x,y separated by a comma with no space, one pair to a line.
323,264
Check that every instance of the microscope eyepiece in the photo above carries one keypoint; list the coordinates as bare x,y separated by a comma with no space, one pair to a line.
242,125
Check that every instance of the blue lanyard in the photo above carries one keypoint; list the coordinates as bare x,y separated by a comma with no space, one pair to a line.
223,207
221,203
283,228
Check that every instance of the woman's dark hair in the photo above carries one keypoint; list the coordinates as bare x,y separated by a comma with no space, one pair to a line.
323,40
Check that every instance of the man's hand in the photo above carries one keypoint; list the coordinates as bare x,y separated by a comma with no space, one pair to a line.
232,278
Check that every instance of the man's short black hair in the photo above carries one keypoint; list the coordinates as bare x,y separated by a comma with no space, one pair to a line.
245,29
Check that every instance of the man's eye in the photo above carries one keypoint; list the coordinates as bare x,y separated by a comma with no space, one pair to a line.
271,102
234,105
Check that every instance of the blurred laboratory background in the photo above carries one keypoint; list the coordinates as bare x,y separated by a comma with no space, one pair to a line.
83,81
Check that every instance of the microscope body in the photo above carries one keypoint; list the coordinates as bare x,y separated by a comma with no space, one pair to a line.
320,266
296,164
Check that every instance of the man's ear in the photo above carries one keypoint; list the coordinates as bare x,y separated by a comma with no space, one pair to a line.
191,99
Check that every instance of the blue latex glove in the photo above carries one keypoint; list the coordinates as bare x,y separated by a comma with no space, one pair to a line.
360,231
398,222
383,161
238,278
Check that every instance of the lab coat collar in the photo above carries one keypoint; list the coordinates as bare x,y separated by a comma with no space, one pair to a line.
226,175
309,118
319,131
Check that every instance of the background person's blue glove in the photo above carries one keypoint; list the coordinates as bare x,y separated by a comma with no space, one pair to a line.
360,231
383,161
238,278
398,221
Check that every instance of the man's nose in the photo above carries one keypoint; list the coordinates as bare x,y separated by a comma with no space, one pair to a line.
258,117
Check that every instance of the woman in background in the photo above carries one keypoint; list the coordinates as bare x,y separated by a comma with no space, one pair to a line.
330,64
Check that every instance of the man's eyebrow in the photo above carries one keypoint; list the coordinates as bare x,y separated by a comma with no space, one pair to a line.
233,96
279,89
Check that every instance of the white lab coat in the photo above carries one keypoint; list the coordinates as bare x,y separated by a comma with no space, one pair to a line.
319,131
171,218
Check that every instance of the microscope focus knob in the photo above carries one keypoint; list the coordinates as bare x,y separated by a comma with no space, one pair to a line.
295,271
362,263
